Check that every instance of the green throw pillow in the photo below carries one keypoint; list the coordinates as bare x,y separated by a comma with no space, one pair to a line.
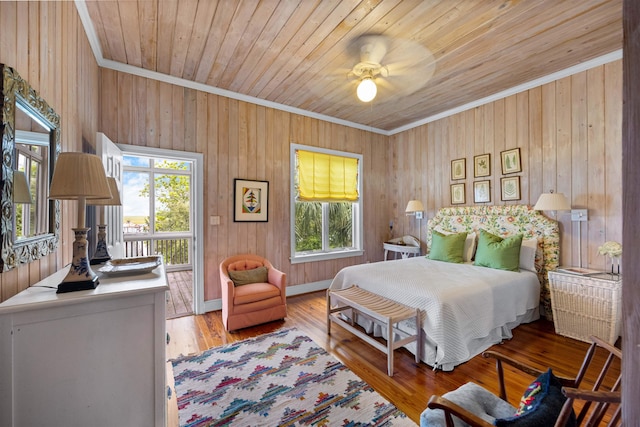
449,248
495,252
245,277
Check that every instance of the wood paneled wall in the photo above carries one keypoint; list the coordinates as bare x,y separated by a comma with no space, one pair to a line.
568,131
569,135
46,43
242,140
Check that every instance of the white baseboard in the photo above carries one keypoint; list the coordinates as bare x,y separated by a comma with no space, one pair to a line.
308,287
212,305
216,304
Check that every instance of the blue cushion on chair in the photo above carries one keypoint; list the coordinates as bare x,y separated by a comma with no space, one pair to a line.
540,405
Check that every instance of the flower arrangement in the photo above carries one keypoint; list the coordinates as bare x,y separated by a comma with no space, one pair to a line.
614,251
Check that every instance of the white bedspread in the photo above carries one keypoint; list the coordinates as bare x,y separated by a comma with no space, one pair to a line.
465,309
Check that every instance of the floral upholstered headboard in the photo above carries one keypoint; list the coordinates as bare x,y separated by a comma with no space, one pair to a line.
507,221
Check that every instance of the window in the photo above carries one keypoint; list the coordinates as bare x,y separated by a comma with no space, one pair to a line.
326,204
32,158
156,208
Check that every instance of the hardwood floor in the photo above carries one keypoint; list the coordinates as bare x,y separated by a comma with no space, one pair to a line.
411,385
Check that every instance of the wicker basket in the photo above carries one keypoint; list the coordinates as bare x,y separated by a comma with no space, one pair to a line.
586,305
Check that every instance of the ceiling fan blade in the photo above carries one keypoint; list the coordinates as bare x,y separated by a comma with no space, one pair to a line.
409,67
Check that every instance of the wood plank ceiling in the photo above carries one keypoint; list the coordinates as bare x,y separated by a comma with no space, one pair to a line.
299,52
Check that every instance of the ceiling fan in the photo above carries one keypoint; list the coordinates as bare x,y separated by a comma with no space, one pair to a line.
398,66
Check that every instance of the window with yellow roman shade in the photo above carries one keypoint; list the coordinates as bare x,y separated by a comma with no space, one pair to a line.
326,177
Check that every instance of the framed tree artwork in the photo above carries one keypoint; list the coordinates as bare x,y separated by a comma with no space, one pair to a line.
510,187
250,201
511,161
458,169
457,194
482,165
481,191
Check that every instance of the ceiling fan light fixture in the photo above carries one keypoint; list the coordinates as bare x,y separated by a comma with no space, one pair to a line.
367,89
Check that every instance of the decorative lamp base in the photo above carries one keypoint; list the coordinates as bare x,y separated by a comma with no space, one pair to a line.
78,286
102,253
80,276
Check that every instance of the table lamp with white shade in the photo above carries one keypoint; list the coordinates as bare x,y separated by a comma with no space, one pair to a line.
101,253
21,193
81,177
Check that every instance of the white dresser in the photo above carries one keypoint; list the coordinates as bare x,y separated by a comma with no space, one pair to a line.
86,358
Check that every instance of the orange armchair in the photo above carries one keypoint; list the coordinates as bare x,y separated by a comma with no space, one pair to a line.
254,303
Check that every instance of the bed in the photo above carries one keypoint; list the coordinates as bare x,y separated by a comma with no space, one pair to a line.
465,308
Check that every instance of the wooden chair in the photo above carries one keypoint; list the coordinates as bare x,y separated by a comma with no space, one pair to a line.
253,303
603,398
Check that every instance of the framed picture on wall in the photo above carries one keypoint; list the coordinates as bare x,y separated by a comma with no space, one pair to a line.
458,169
457,194
511,161
481,191
510,188
482,165
250,201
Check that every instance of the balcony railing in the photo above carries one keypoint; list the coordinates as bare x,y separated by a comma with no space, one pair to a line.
175,248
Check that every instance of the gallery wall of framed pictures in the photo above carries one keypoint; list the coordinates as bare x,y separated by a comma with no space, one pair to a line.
510,163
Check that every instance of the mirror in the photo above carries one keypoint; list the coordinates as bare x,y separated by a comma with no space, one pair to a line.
30,143
31,158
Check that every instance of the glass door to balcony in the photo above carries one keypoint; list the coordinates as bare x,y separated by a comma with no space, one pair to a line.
159,209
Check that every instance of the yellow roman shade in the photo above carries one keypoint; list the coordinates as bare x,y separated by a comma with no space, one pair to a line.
326,177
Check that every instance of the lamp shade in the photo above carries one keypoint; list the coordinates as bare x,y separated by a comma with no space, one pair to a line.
114,200
367,90
21,192
414,206
552,202
79,176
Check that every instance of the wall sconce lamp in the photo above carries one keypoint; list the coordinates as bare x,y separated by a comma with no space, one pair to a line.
81,177
101,254
552,202
415,208
558,202
579,216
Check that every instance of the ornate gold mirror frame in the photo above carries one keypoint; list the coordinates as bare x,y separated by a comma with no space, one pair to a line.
16,91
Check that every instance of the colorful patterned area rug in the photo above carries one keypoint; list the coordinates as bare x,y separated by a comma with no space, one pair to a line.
277,379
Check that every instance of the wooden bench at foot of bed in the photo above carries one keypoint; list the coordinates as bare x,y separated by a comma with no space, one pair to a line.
379,310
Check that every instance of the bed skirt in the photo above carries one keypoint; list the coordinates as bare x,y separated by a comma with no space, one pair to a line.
478,345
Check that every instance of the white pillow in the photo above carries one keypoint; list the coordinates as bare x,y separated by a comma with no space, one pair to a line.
470,246
528,254
469,243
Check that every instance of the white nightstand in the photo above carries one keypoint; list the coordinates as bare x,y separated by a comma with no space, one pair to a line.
403,250
585,305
